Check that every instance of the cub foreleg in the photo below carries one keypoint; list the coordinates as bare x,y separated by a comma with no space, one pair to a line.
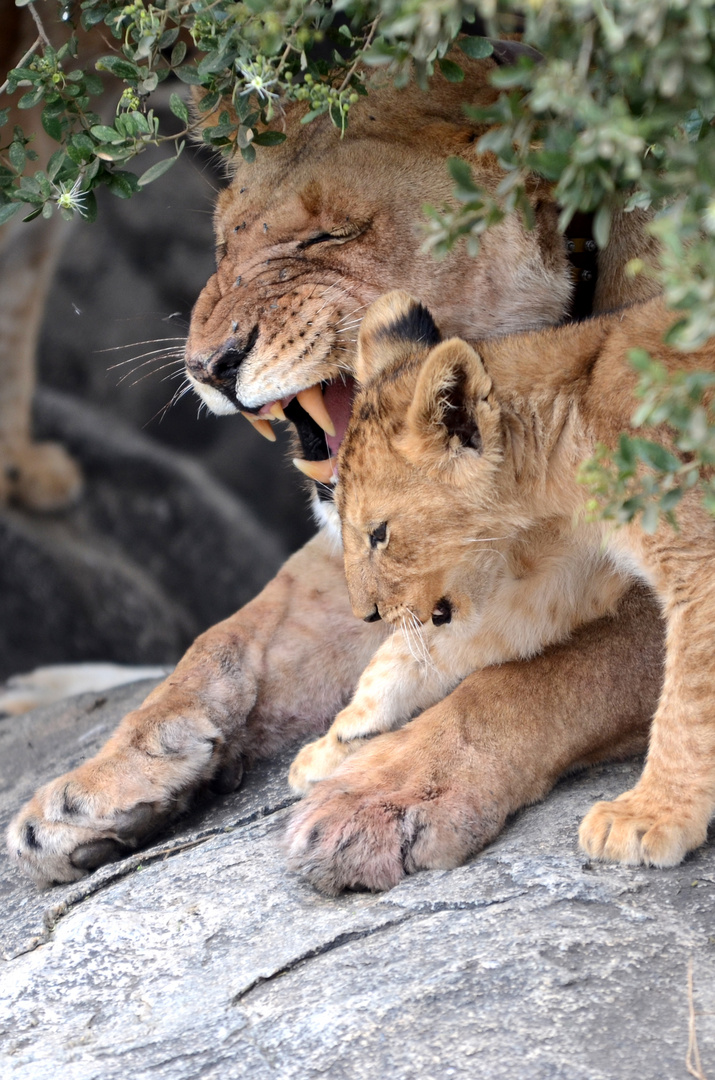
403,678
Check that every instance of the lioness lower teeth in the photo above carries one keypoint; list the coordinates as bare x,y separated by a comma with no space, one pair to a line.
312,401
320,471
262,426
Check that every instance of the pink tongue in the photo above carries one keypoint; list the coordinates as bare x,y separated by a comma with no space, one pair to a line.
338,396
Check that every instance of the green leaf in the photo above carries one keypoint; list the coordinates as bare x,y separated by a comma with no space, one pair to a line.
671,499
649,520
18,157
461,173
93,83
248,154
269,138
7,210
31,98
602,225
451,71
106,134
188,75
155,171
476,47
4,115
121,68
178,107
123,184
54,165
177,54
655,455
52,124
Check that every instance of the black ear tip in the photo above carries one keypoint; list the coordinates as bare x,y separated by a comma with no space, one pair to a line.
414,325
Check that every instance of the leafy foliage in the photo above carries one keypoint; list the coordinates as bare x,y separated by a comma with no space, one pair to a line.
644,477
618,115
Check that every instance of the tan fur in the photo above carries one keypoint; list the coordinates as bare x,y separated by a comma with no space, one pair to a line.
497,527
282,668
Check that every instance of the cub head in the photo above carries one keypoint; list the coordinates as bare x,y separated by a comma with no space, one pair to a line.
420,461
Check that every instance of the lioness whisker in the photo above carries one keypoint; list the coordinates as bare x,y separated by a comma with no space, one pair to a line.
148,374
173,400
160,354
149,341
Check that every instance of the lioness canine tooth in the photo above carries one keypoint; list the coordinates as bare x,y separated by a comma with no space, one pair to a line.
320,471
312,401
262,426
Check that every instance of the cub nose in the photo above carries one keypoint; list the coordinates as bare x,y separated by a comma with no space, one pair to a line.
220,368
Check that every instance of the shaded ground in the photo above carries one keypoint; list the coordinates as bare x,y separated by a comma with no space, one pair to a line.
204,958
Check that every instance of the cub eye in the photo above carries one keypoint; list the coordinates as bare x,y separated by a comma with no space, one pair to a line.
378,535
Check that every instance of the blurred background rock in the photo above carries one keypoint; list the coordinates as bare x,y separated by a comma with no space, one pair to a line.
161,545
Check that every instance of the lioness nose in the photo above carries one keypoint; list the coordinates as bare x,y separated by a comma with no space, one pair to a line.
220,368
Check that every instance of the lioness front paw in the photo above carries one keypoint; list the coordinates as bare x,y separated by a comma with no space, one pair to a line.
634,829
112,803
387,812
317,760
39,476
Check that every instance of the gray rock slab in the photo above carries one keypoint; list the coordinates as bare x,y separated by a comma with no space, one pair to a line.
203,957
155,551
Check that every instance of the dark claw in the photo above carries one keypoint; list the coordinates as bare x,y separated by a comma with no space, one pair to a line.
31,836
228,778
134,824
90,856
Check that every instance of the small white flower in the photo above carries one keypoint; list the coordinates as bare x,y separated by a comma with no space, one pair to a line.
259,76
70,197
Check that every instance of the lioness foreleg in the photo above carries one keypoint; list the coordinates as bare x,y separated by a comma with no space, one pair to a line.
278,670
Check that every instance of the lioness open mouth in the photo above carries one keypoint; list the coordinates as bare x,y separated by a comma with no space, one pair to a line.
320,414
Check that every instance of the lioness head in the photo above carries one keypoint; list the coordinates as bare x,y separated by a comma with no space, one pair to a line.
319,227
420,462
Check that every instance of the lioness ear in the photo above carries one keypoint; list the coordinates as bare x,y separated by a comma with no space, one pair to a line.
442,417
392,329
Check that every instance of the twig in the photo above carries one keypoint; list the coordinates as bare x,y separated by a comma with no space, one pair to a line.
21,63
40,28
692,1058
353,67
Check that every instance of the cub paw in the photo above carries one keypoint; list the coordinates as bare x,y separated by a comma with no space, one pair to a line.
316,761
39,476
634,829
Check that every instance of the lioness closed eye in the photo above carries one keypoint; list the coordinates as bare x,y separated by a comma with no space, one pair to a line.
458,497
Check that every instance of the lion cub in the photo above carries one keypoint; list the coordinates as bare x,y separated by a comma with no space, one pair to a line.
463,528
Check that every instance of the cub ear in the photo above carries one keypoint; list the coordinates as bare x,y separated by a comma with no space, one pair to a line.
442,418
393,328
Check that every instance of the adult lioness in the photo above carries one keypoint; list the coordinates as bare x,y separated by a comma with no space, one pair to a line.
306,238
462,521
